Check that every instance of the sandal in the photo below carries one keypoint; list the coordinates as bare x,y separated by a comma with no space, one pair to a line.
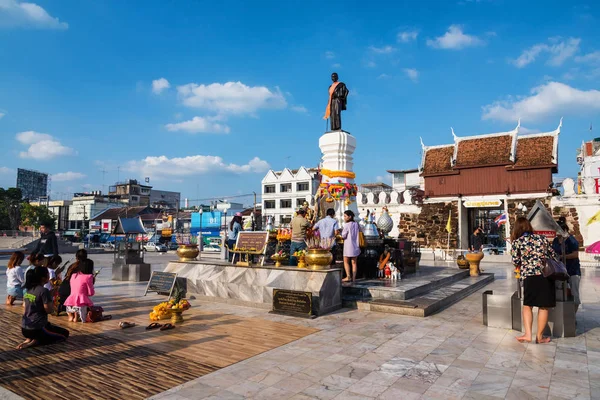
106,317
154,325
167,327
125,325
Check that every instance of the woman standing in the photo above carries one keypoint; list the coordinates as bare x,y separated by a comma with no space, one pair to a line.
15,277
351,245
235,226
529,253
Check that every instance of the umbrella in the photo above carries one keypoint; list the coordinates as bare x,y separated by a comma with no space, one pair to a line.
593,248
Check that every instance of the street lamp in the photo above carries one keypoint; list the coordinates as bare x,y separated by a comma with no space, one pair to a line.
200,234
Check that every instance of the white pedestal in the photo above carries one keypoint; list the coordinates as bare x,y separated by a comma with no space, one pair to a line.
338,149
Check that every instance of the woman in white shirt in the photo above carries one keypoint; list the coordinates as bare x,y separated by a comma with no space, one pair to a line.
14,278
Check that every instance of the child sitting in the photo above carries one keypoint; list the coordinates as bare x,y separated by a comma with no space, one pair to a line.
82,287
15,277
38,304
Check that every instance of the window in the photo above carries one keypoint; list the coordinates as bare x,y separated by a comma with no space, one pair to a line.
287,203
285,188
269,188
270,204
285,219
399,178
302,187
299,202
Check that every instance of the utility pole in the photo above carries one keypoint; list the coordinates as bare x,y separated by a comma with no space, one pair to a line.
103,185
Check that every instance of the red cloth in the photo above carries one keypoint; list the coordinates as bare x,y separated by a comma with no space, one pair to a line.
82,287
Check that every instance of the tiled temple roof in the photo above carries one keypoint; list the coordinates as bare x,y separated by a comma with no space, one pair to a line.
507,148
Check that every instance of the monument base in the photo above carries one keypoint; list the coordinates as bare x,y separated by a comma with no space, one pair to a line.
131,272
253,286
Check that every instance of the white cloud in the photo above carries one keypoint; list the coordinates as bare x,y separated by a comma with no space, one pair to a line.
42,146
336,65
382,50
199,125
162,166
552,99
67,176
231,97
383,76
407,36
158,85
455,39
559,51
15,13
370,64
412,73
527,131
2,114
299,108
6,170
592,58
330,55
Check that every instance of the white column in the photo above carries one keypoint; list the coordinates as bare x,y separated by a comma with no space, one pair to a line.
338,149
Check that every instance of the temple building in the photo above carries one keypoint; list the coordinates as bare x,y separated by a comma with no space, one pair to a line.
486,181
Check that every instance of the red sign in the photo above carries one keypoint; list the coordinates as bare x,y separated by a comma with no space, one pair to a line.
548,234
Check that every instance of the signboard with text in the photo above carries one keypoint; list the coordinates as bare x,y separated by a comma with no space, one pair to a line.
482,203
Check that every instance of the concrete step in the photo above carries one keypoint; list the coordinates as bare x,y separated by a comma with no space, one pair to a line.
425,304
424,281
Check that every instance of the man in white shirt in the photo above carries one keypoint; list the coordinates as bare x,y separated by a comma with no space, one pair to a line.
329,227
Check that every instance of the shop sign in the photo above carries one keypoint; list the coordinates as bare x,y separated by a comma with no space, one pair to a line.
548,234
482,203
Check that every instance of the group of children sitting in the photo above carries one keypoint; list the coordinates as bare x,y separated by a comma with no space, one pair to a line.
43,292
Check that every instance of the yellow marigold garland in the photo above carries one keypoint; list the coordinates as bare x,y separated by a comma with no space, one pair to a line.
338,174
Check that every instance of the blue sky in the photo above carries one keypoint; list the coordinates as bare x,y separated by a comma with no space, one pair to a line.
204,97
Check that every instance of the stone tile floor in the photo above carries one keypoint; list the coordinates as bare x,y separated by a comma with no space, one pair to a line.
450,355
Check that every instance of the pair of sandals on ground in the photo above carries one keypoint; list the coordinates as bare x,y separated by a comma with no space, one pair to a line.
152,326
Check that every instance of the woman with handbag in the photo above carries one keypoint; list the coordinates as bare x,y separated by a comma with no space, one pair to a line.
529,253
350,234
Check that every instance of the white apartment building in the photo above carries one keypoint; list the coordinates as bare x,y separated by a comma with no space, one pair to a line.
404,179
85,206
283,192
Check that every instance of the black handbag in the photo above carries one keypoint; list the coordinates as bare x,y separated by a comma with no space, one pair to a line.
555,270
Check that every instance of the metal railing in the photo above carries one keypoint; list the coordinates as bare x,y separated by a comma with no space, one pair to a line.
14,234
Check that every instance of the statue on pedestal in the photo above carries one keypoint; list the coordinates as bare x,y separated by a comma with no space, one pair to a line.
338,94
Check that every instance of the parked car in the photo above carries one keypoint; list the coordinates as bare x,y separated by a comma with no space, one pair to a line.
211,248
173,246
153,246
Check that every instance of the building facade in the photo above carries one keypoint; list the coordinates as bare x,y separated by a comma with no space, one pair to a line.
131,193
478,179
85,206
405,179
285,191
60,211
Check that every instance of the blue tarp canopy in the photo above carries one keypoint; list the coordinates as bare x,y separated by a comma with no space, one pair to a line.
129,226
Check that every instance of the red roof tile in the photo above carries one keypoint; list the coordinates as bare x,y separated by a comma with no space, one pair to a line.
438,160
484,151
535,151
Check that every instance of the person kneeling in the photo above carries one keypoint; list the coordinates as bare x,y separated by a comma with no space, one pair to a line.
38,304
82,288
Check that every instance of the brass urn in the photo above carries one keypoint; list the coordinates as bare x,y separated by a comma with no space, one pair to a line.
474,260
188,252
318,258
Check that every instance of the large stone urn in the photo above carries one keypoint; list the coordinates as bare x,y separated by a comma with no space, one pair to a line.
474,259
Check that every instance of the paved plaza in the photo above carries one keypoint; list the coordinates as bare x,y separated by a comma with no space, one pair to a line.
231,352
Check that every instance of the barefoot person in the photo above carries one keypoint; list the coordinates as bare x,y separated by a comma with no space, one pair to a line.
351,245
529,252
82,288
15,278
38,304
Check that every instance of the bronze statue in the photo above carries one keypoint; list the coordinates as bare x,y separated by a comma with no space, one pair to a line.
338,93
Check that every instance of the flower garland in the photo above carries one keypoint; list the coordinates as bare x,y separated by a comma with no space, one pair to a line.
338,191
338,174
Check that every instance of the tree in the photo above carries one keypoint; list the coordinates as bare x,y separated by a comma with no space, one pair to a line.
36,215
9,208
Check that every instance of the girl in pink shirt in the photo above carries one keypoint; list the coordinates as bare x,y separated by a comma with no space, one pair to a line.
82,287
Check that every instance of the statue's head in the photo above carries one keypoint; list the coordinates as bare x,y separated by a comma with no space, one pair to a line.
305,204
334,77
